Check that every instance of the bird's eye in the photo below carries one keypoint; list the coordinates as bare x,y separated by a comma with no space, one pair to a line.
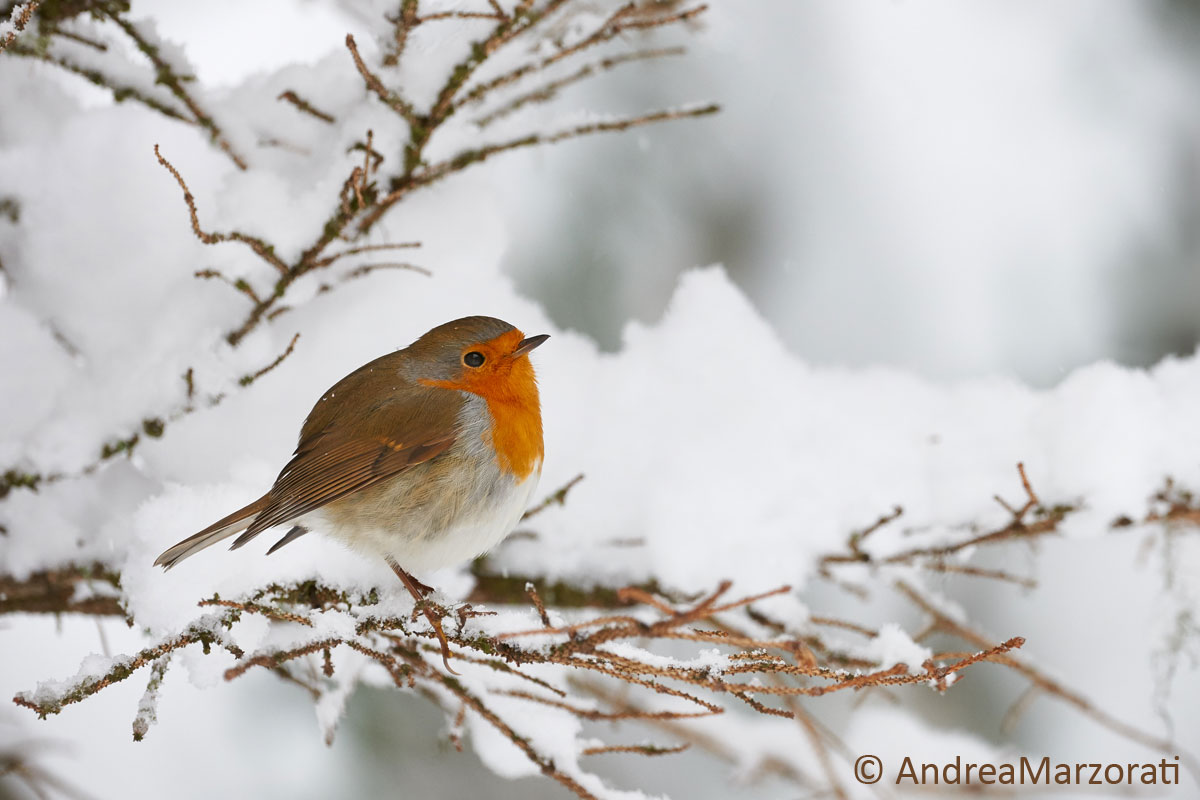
473,359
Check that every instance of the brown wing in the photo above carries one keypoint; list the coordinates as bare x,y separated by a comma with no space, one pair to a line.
366,441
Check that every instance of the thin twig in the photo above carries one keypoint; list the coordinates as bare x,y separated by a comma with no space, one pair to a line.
618,22
166,75
545,764
263,250
444,15
636,749
21,16
1035,676
97,78
305,106
391,99
551,89
461,161
246,380
558,497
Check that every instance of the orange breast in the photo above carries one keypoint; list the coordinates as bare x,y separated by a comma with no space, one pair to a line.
510,388
517,437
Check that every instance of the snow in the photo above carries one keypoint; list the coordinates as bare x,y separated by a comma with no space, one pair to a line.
893,646
9,27
711,449
802,456
331,705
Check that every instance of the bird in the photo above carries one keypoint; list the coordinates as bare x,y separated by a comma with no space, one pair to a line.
426,456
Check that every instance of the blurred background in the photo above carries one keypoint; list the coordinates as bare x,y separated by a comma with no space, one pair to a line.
951,188
957,189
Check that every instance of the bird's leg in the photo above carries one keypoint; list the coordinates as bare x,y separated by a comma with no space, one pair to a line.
424,588
420,591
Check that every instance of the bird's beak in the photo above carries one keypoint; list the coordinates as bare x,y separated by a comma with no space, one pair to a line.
528,344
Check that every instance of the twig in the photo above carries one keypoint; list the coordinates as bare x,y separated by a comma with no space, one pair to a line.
391,99
817,741
152,427
857,538
523,18
305,106
99,47
263,250
461,161
251,607
546,765
21,15
617,23
367,269
119,90
368,248
66,590
147,713
444,15
402,24
200,632
246,380
549,90
558,497
166,75
850,626
636,749
277,658
536,599
608,716
1036,677
933,558
979,572
240,284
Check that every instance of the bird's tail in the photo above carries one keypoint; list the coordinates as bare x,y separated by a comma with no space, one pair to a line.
221,529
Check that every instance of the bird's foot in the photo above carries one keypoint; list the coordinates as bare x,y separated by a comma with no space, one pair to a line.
424,588
434,612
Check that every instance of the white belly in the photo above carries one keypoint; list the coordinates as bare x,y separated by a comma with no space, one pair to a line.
419,548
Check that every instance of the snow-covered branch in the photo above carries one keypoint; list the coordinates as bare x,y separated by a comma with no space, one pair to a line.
624,664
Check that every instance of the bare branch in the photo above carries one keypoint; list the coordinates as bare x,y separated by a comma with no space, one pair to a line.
546,765
551,89
637,749
167,76
147,713
391,99
468,158
90,589
263,250
305,106
203,631
621,20
369,248
1035,676
558,497
120,91
240,284
444,15
246,380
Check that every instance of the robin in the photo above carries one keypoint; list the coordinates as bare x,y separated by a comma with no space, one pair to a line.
426,456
